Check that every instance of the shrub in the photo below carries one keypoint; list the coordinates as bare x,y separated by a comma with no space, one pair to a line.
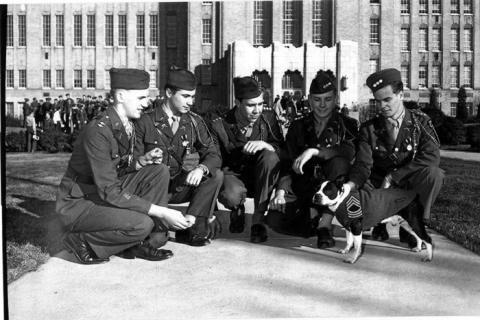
473,136
11,121
15,142
450,130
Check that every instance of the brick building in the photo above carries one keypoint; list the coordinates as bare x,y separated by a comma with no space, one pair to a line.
435,44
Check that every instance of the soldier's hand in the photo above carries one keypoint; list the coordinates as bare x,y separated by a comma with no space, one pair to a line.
302,159
172,218
252,147
387,182
154,156
194,177
278,202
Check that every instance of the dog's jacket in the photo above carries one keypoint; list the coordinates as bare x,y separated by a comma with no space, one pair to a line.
372,205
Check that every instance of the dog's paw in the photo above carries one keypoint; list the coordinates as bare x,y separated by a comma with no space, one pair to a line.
429,253
417,248
344,250
352,258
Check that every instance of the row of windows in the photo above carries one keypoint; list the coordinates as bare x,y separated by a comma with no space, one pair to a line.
435,78
60,78
436,39
90,28
471,111
436,7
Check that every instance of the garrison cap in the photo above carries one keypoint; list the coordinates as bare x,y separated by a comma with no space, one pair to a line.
246,88
383,78
323,82
129,79
181,79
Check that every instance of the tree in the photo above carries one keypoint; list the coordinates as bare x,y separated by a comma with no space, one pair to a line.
434,94
462,112
478,111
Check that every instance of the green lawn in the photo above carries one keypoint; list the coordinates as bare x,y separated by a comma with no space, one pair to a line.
32,180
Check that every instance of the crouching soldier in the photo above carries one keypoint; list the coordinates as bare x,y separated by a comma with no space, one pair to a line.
106,200
249,140
319,146
397,148
190,153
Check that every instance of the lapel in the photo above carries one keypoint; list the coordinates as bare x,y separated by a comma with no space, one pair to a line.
161,122
234,128
257,129
405,129
381,132
183,125
117,128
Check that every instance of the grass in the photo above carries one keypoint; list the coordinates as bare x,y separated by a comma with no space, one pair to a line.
32,180
456,213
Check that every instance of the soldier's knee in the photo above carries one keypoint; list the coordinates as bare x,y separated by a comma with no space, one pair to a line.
144,226
435,174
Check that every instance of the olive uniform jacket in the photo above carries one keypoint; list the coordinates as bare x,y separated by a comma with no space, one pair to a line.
416,147
336,140
153,131
230,140
102,154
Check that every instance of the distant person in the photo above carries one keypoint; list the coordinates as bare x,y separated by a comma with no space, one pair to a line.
31,134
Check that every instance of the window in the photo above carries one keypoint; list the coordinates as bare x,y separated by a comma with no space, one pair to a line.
374,31
372,108
259,8
22,78
423,39
59,25
453,109
153,78
109,30
288,22
373,65
77,78
405,39
91,79
47,79
206,31
422,77
292,80
405,7
436,76
405,72
91,37
454,40
122,30
9,30
423,8
22,30
10,109
206,62
436,7
46,30
467,76
140,30
455,6
60,79
469,107
153,30
467,7
436,39
467,44
77,30
9,79
453,76
318,19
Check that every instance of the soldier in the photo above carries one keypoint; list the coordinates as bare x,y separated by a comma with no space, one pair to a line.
319,146
189,152
48,107
26,111
249,140
106,200
399,147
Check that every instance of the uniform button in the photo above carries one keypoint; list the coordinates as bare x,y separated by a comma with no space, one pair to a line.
396,149
155,142
376,148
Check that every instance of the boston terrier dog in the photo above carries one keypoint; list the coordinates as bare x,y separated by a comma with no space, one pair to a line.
363,209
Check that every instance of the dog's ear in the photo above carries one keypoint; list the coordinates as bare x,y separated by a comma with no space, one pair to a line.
339,181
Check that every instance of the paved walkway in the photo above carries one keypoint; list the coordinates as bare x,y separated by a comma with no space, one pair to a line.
232,278
469,156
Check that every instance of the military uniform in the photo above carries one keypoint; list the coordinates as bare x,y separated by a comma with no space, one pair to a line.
337,143
101,196
252,175
154,131
412,159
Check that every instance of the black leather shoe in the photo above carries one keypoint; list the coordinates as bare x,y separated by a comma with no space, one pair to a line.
191,238
237,220
258,233
145,251
75,244
406,237
380,232
325,239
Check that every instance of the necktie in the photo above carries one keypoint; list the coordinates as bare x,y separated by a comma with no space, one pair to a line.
174,124
247,131
128,128
393,128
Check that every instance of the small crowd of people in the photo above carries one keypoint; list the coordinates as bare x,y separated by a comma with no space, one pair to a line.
128,165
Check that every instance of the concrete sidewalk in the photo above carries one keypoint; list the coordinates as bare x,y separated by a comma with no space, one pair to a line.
232,278
462,155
